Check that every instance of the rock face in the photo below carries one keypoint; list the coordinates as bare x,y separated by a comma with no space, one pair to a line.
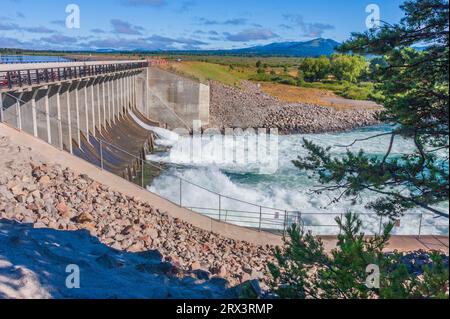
231,107
104,272
416,261
250,107
49,196
300,118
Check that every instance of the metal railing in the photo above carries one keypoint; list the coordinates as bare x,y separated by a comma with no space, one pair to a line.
262,218
235,211
21,78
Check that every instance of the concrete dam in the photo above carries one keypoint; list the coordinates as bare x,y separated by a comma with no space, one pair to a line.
95,117
84,108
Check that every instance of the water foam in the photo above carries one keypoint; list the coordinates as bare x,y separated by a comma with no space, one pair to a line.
165,137
287,189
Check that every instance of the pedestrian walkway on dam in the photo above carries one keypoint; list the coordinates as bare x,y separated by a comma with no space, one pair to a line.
24,75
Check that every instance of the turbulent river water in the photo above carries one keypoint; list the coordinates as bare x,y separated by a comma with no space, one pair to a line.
277,188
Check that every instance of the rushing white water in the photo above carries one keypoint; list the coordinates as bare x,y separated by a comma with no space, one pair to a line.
284,189
166,137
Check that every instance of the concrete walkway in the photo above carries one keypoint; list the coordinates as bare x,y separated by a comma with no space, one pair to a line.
53,155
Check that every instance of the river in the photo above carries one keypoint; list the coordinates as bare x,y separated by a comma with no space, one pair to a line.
5,58
284,189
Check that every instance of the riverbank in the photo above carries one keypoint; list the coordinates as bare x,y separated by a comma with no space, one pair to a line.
250,106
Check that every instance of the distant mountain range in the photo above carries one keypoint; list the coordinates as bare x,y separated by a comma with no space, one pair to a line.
313,48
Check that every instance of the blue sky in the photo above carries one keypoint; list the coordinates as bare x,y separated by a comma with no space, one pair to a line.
182,24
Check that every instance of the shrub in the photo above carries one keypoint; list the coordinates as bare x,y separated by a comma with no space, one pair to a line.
304,270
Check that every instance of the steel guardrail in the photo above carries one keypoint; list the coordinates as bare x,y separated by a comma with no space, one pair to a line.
20,78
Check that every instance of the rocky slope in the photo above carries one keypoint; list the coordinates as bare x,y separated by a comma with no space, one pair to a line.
35,264
50,196
250,107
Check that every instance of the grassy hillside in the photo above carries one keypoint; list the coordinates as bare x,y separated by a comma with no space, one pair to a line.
232,70
230,74
241,61
204,71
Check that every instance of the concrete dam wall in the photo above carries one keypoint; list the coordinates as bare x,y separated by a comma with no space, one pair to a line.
84,108
175,100
61,112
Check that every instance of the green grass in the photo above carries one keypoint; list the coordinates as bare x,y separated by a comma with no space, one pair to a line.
233,74
204,72
360,91
241,61
353,91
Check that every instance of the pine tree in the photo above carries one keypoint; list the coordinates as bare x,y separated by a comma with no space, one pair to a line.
415,88
304,270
